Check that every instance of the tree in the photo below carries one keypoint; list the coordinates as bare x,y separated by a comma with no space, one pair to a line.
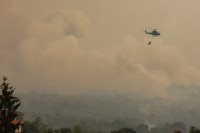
124,130
77,129
63,130
142,128
8,108
194,130
170,128
37,126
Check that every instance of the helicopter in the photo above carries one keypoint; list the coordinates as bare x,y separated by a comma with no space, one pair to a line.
154,32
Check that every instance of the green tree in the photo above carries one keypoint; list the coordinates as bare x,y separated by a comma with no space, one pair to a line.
169,128
124,130
8,108
194,130
63,130
37,126
142,128
77,129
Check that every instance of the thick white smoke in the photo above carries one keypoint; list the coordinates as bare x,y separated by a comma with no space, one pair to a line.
47,49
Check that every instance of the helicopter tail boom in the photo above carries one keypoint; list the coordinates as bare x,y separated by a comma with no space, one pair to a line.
147,32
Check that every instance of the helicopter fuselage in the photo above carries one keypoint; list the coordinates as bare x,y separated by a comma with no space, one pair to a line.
153,33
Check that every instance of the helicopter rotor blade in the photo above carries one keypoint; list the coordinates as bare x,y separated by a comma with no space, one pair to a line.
150,28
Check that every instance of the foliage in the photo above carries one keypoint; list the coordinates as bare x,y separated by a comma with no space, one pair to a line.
8,107
63,130
124,130
77,129
142,128
37,126
194,130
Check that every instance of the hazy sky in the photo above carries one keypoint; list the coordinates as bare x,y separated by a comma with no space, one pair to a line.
84,45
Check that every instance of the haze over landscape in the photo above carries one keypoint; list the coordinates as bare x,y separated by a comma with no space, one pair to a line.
97,51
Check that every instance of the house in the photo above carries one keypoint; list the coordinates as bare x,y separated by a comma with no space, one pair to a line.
19,130
177,131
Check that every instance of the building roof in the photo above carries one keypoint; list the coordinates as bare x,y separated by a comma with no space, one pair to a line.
16,122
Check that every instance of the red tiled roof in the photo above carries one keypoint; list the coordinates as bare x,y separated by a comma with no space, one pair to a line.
15,122
177,131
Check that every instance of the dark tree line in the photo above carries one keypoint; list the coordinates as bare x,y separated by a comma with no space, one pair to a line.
37,126
8,112
194,130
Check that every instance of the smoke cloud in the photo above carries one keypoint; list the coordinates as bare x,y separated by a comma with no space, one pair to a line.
69,46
